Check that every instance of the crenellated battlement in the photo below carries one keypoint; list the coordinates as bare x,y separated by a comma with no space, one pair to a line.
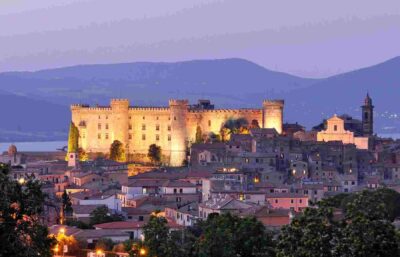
274,102
181,102
148,108
227,111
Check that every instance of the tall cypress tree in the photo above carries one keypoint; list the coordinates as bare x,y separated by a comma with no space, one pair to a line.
73,140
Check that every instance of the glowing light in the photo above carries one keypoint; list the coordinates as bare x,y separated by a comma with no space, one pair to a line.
294,172
256,180
142,251
99,252
62,230
56,249
21,181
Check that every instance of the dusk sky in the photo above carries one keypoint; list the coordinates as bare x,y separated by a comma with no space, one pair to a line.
310,38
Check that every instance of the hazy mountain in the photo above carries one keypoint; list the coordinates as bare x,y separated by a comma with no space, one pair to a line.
231,82
345,93
37,103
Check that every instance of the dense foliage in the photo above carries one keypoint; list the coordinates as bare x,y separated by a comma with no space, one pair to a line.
21,205
117,151
73,140
154,153
102,215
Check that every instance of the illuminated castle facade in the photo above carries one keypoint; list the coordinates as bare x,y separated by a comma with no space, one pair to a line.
172,128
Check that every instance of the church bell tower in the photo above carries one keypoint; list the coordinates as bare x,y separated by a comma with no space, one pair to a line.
367,117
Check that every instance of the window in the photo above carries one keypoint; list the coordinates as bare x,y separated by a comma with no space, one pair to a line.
106,126
143,137
276,200
99,126
209,123
106,135
130,117
130,126
83,135
144,118
157,137
175,190
99,136
157,127
106,117
169,127
143,126
300,201
335,127
181,190
174,117
99,117
130,136
291,201
169,137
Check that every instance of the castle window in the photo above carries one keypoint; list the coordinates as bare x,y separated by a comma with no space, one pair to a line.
106,126
144,118
106,117
209,123
143,126
130,136
130,117
157,127
99,136
174,117
157,137
99,117
169,127
366,115
143,137
130,126
157,118
106,135
99,126
169,137
335,127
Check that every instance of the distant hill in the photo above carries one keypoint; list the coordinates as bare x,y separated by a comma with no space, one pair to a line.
345,93
40,100
229,82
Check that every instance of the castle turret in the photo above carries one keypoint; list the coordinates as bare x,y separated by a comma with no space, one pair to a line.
273,114
178,116
367,117
120,122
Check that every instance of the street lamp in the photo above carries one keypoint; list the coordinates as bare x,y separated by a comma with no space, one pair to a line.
55,250
142,252
99,252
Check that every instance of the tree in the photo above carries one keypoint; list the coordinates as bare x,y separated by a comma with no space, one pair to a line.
199,135
156,233
101,215
311,234
226,235
21,232
154,153
365,230
234,126
106,244
66,204
83,156
73,140
254,124
117,151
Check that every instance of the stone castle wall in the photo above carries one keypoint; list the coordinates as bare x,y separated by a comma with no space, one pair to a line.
172,127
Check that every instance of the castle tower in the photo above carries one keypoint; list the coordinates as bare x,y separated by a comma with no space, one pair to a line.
367,117
178,116
273,114
120,122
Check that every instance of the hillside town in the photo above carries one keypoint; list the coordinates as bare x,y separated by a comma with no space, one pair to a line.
272,172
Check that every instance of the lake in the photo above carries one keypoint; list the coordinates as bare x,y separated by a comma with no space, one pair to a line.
34,146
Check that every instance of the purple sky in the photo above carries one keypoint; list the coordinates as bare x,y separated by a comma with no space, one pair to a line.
311,38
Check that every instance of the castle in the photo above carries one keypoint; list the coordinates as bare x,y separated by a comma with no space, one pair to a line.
172,128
